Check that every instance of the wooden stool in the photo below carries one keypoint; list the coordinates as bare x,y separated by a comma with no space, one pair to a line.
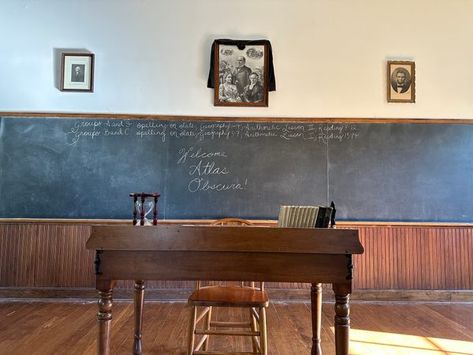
255,299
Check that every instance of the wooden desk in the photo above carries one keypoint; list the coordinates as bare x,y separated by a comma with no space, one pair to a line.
173,252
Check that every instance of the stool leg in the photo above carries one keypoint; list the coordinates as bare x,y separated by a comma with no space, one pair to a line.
190,348
208,319
262,329
253,329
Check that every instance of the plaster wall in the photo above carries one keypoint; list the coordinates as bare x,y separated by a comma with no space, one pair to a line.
152,57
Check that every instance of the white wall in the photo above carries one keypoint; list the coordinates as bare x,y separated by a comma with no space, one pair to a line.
152,56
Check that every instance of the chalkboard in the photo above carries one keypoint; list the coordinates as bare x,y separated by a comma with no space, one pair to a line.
86,167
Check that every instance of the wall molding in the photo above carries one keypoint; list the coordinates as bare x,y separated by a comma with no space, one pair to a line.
123,116
264,222
275,295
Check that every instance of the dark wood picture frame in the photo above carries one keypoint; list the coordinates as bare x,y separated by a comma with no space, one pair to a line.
249,68
401,80
77,72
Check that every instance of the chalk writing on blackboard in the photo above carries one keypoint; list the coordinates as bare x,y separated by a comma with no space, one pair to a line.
337,132
207,171
163,130
94,129
151,128
86,129
192,153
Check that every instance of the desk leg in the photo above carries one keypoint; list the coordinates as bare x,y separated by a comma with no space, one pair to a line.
316,307
104,316
342,318
139,300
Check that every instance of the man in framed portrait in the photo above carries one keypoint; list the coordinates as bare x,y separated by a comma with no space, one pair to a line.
77,73
253,92
400,80
242,74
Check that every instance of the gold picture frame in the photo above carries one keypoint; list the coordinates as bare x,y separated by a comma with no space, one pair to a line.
401,81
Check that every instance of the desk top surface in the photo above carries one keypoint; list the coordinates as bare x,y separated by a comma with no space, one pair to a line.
225,239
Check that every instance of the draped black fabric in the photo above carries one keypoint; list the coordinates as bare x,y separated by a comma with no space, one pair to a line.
241,44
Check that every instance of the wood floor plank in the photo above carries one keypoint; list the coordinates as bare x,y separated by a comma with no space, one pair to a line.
122,329
300,324
377,328
65,330
165,317
276,316
155,322
457,320
456,312
37,327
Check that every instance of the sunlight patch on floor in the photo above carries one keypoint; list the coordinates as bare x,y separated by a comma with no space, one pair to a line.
366,342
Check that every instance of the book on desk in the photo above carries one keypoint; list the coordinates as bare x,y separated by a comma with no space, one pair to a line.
305,216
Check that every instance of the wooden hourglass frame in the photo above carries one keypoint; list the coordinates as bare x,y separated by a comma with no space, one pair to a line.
142,196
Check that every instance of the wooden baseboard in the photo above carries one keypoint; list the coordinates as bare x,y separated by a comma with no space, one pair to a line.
277,295
303,295
414,295
91,294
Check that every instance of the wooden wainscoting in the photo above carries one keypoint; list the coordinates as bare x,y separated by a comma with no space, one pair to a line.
401,261
415,257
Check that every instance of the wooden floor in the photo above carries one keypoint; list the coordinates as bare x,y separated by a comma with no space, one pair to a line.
399,328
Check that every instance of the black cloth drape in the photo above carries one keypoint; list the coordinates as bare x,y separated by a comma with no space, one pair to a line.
241,44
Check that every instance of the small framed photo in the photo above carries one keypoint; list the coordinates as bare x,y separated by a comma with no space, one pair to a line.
401,81
77,72
242,75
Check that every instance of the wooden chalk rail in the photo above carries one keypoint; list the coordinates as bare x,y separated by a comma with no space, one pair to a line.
262,222
122,116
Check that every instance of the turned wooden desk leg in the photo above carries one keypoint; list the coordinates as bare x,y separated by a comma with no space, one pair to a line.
104,316
342,318
139,301
316,307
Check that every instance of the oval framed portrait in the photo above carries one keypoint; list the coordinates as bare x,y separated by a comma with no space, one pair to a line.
401,81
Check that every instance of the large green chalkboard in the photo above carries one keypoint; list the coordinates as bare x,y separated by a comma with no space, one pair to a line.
86,167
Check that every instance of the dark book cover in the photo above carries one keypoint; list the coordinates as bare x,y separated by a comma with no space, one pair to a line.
323,217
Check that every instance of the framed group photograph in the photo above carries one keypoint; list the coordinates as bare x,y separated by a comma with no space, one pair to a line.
401,81
77,72
242,75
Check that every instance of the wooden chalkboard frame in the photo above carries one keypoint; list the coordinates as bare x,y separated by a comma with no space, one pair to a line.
121,116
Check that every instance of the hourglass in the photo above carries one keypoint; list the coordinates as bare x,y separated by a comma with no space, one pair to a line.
143,205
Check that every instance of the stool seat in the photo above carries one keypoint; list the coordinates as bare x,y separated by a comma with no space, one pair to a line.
229,296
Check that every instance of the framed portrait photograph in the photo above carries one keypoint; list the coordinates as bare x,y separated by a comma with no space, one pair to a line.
401,81
77,72
242,75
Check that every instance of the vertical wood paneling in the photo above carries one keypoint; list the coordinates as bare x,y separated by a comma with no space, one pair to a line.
396,257
406,257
